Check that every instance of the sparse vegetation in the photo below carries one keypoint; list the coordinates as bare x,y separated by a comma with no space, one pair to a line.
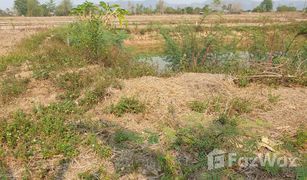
80,82
127,105
12,87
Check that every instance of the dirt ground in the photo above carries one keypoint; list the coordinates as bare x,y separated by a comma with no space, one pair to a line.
160,94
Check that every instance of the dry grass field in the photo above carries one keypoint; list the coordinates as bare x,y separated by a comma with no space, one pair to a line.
13,29
66,114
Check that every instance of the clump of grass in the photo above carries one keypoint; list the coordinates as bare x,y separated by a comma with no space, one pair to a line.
48,136
3,171
98,91
218,104
198,140
169,165
121,136
273,98
73,84
293,144
101,173
127,105
102,150
239,106
64,109
198,106
12,87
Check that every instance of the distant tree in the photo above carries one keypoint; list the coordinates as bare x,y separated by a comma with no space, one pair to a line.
21,7
235,8
265,6
170,10
161,6
285,8
33,8
206,8
148,10
51,7
197,10
188,10
139,9
5,12
131,7
217,4
64,8
44,10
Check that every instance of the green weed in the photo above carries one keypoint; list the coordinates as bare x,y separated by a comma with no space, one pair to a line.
102,150
122,136
198,106
127,105
12,87
273,98
199,141
169,165
239,106
48,136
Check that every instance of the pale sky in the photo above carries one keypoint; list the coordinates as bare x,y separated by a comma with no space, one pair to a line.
9,3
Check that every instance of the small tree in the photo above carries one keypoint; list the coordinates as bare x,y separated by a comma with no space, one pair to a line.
21,7
161,7
265,6
51,7
285,8
64,8
33,8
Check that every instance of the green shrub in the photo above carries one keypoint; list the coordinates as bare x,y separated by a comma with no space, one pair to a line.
48,136
127,105
190,50
95,41
121,136
12,87
198,106
198,141
102,150
239,106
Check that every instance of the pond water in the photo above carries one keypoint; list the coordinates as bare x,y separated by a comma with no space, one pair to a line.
158,61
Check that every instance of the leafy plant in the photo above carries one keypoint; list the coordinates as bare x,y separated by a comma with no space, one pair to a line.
127,105
104,12
198,106
12,87
95,34
121,136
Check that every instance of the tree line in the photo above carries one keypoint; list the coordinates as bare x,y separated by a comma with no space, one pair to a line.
34,8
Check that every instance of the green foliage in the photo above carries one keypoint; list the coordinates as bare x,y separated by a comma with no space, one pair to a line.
127,105
3,171
285,8
64,8
198,106
239,106
21,6
265,6
169,165
12,87
122,136
190,50
95,41
293,144
102,150
198,141
104,13
23,136
273,98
